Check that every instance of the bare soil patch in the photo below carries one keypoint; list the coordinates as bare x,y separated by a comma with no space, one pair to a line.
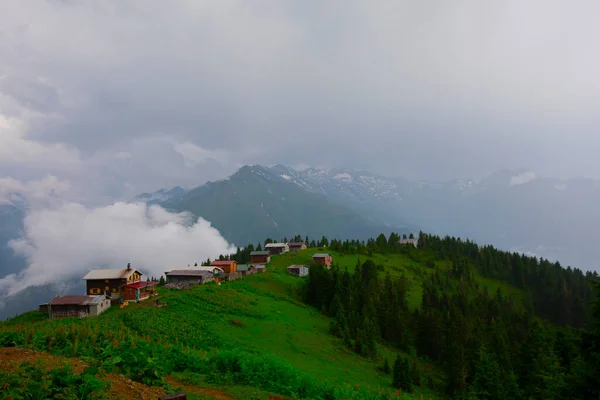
120,386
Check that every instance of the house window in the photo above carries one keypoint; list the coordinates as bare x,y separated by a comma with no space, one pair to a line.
106,288
115,290
94,291
106,281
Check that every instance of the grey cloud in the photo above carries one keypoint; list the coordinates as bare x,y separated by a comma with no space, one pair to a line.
419,89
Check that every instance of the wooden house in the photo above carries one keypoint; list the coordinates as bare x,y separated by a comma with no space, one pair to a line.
277,248
409,242
325,259
260,257
76,306
297,246
298,270
259,267
124,284
111,281
246,269
191,275
229,266
139,291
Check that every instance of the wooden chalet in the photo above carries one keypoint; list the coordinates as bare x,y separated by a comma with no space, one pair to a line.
125,283
76,306
192,275
259,267
298,270
325,259
409,242
229,266
277,248
260,257
297,246
246,269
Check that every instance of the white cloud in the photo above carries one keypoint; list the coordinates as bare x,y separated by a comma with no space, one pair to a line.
64,242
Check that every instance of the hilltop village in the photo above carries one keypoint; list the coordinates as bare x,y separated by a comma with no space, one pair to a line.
118,287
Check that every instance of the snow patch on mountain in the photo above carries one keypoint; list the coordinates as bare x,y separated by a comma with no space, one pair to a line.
344,176
523,178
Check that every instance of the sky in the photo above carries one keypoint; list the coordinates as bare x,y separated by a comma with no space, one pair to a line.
120,97
103,100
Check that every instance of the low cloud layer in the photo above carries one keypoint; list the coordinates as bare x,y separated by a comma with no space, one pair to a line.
63,242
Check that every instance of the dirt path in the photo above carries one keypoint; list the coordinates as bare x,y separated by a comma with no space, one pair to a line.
120,386
214,393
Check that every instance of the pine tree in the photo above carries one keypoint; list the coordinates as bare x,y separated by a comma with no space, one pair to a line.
591,344
386,367
161,281
415,374
486,381
401,378
397,373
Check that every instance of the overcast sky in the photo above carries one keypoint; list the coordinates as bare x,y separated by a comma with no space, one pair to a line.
119,96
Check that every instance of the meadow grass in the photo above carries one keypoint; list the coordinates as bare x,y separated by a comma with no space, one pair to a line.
263,316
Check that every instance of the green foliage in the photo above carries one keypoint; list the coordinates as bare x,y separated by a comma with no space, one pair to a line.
138,360
275,375
401,374
32,382
386,369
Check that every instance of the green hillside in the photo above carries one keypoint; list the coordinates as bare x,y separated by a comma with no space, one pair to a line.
254,204
251,338
261,315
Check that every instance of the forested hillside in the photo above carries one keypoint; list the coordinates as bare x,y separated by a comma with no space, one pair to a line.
499,344
446,319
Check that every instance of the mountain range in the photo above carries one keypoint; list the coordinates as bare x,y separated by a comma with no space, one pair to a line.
514,210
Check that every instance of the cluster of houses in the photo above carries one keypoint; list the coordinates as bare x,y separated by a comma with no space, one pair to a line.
106,287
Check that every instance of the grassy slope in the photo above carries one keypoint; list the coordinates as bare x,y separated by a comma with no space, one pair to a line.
262,314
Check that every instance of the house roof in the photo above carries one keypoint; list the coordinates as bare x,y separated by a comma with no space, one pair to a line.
259,265
76,300
209,268
140,285
296,244
222,262
268,245
259,253
297,266
321,255
242,267
110,274
403,241
191,272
